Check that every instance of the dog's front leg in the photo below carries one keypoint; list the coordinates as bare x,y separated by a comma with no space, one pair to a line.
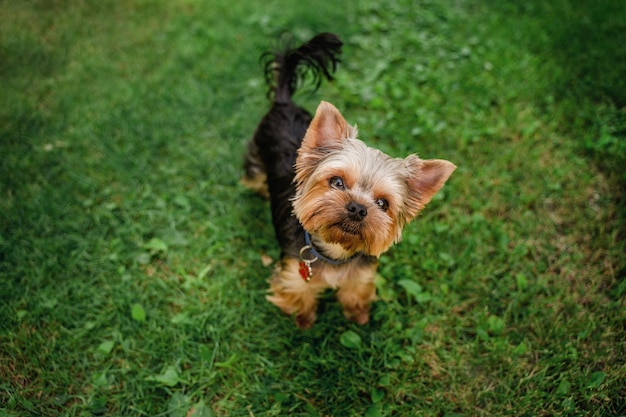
356,295
293,295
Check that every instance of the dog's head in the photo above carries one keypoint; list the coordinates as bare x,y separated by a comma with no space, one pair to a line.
354,196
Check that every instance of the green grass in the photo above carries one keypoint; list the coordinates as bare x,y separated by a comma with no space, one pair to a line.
132,279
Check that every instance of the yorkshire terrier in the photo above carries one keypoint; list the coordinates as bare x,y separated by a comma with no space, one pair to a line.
336,203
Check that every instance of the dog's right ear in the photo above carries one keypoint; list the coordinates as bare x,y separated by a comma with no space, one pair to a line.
424,181
326,133
328,129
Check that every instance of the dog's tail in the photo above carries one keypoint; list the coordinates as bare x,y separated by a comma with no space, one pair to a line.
285,70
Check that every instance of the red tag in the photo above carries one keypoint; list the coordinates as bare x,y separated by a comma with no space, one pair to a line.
305,271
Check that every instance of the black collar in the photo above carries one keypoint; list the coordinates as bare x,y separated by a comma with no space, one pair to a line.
318,255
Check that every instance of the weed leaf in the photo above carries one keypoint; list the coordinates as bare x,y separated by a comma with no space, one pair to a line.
373,411
143,258
520,349
170,377
138,313
177,406
180,318
446,259
229,363
423,297
100,379
106,347
200,410
206,355
156,245
350,339
182,201
385,292
564,387
377,395
496,325
411,287
596,379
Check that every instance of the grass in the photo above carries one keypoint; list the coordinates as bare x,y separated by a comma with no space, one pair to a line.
132,273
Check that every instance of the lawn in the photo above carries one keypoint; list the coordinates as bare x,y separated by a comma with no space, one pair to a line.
133,264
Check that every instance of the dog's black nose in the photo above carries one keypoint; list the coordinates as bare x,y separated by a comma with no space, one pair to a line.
356,211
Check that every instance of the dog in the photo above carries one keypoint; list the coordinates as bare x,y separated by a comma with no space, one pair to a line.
336,203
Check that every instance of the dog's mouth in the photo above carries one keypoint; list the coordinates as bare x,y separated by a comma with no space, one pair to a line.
350,228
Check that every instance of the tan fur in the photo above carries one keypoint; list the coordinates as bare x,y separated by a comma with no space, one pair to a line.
330,149
389,191
257,183
294,296
255,177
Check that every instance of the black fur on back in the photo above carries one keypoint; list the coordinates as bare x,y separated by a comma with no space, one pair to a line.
284,70
281,131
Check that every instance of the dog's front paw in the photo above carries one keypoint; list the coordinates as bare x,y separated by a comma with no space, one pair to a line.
356,301
305,321
361,316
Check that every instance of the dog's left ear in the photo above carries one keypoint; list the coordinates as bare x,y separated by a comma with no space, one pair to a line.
328,129
425,179
326,133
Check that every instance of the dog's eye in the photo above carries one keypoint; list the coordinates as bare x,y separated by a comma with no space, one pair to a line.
382,204
337,182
